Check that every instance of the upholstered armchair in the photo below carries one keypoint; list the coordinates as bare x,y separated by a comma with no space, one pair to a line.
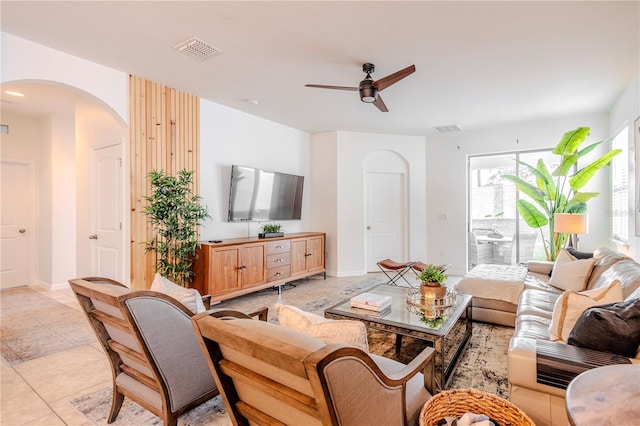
268,374
155,356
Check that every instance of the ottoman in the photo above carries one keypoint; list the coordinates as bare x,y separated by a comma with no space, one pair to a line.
495,290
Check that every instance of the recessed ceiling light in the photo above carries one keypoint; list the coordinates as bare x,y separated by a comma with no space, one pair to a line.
253,101
12,93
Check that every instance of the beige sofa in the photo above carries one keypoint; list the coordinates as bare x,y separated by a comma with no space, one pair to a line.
543,403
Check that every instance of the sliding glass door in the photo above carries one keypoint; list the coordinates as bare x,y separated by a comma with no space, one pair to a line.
496,233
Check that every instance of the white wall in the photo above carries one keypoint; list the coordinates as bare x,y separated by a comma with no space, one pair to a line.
324,187
351,151
229,137
625,111
447,180
25,60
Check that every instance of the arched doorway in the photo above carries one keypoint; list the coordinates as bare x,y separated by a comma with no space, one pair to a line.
69,128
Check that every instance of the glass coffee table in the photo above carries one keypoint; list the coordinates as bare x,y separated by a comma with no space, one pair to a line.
448,334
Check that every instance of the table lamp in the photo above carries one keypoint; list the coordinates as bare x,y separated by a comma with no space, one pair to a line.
572,224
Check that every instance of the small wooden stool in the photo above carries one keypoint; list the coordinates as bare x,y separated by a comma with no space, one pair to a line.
395,271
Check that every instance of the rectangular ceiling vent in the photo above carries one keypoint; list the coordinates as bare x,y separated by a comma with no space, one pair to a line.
448,128
198,49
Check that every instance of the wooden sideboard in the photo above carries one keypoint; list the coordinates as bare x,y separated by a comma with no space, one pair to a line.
243,265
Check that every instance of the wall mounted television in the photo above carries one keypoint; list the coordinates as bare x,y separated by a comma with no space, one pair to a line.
260,195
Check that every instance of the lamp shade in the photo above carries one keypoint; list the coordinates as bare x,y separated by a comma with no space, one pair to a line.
571,223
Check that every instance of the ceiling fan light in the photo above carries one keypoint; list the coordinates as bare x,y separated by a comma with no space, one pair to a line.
368,93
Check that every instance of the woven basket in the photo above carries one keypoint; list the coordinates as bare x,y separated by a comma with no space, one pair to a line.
457,402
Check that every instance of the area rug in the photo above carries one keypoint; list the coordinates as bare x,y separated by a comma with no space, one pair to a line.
482,366
34,326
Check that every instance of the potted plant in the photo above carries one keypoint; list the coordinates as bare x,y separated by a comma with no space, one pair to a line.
271,230
174,213
432,278
559,191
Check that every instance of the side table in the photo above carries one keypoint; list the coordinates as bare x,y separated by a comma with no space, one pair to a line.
607,395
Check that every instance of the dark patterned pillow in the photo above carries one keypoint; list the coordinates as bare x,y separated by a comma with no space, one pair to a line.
613,328
579,254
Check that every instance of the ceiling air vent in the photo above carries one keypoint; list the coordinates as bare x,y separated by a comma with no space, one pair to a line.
198,49
448,128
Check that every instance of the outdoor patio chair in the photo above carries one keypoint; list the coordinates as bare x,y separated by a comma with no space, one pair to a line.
395,271
269,374
479,253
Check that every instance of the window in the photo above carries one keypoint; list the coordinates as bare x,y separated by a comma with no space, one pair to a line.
620,188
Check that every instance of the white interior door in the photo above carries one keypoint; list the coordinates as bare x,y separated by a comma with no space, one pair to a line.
385,213
107,244
17,229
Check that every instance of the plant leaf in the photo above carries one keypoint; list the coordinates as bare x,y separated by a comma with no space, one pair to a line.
531,215
584,175
528,189
571,140
545,181
567,162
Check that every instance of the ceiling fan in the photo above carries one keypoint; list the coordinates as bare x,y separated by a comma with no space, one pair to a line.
369,88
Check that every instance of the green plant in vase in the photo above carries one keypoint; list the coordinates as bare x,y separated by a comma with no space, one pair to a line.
271,228
431,278
174,213
559,191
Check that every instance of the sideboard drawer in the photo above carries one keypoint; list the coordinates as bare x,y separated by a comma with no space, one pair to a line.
277,260
280,246
274,274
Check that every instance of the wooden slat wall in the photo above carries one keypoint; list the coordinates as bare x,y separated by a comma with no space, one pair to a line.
165,135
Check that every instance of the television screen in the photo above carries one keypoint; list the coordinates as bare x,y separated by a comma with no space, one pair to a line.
260,195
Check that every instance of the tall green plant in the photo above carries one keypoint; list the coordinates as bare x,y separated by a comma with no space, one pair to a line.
559,191
175,214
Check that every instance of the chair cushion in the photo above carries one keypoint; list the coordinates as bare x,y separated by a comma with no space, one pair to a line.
570,273
570,305
189,297
347,332
611,328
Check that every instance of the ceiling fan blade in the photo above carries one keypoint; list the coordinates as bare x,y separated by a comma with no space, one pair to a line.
387,81
380,104
322,86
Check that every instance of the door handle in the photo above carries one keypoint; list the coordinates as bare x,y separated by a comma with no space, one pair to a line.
22,230
368,227
93,236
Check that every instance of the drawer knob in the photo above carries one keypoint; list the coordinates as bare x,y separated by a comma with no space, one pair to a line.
278,247
307,254
279,260
278,274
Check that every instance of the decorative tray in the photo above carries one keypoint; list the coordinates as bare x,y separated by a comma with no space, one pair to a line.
431,308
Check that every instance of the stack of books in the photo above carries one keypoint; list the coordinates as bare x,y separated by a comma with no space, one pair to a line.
371,302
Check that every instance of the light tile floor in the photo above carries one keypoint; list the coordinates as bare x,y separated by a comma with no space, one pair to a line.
38,392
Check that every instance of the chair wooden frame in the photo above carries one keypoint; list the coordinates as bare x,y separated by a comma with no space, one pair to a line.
293,361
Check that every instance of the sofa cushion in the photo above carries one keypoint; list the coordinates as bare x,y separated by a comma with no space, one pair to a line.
611,328
605,258
347,332
570,273
189,297
627,271
571,304
579,254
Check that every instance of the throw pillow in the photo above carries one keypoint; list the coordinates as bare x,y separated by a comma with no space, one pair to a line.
579,254
571,304
570,273
189,297
611,328
347,332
